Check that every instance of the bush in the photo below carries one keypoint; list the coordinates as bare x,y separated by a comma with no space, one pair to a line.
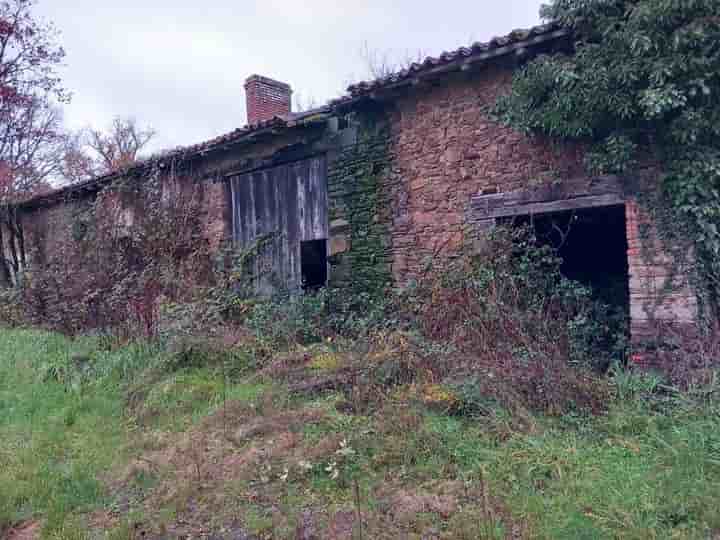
286,320
523,331
515,301
11,312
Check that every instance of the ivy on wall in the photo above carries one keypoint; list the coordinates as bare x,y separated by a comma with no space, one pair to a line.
355,179
111,259
642,86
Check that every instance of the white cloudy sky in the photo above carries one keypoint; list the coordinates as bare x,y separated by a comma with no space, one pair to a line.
179,65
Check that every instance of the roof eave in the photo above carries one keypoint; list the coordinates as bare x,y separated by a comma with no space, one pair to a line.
249,137
461,64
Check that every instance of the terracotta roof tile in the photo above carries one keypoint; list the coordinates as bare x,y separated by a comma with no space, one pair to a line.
231,137
516,37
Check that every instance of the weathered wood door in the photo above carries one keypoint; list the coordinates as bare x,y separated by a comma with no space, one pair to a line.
289,204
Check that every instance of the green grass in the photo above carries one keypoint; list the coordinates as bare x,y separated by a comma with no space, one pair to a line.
635,473
67,412
641,471
54,440
632,474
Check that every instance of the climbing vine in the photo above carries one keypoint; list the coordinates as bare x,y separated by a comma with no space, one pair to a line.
642,89
355,187
115,257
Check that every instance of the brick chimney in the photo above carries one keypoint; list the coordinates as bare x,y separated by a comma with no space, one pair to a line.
266,98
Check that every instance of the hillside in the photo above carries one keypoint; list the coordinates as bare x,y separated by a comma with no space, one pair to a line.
101,440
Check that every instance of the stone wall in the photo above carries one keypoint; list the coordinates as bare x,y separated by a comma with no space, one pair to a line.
661,292
51,231
359,247
447,149
215,215
46,224
401,178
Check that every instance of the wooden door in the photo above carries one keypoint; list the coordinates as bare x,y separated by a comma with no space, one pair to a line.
285,205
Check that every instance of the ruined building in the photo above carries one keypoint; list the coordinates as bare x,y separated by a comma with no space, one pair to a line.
402,169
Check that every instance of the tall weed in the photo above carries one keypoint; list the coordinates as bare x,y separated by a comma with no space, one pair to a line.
527,334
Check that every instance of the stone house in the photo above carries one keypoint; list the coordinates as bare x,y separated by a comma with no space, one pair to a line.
399,171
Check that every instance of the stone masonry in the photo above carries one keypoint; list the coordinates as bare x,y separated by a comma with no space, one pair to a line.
447,149
403,169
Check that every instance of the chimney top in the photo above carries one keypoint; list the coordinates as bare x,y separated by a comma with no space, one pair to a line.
266,98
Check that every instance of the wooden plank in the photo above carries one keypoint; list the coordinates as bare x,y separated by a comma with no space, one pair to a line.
501,204
264,263
558,206
244,219
292,229
318,179
233,206
258,180
275,228
299,173
568,189
280,178
289,201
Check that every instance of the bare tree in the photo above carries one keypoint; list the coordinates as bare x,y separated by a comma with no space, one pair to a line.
120,145
30,121
77,164
382,63
32,144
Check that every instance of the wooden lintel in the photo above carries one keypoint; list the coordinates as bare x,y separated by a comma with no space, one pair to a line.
578,203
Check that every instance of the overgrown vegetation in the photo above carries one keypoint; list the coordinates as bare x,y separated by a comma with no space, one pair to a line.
130,441
117,257
486,401
642,90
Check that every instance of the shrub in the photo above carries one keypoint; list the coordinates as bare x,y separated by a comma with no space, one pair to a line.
688,360
514,300
11,310
523,331
116,273
286,319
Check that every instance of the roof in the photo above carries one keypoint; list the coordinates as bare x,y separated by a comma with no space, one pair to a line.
457,60
464,57
238,135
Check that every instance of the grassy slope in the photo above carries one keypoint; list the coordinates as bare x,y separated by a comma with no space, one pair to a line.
53,442
127,445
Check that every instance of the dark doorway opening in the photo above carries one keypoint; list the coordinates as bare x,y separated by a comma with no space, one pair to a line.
592,243
313,259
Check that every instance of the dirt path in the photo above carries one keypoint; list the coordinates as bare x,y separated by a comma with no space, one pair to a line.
30,530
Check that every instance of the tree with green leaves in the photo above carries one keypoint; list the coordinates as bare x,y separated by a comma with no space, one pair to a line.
641,85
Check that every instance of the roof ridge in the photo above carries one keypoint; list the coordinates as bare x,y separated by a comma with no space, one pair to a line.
516,37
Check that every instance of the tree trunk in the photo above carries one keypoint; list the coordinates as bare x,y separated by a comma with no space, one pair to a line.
5,276
12,253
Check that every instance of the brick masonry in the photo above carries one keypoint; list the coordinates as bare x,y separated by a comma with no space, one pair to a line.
266,98
661,293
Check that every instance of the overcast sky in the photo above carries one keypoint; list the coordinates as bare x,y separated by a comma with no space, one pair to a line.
179,65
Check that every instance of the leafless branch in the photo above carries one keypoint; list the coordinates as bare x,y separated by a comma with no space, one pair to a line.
120,145
382,63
